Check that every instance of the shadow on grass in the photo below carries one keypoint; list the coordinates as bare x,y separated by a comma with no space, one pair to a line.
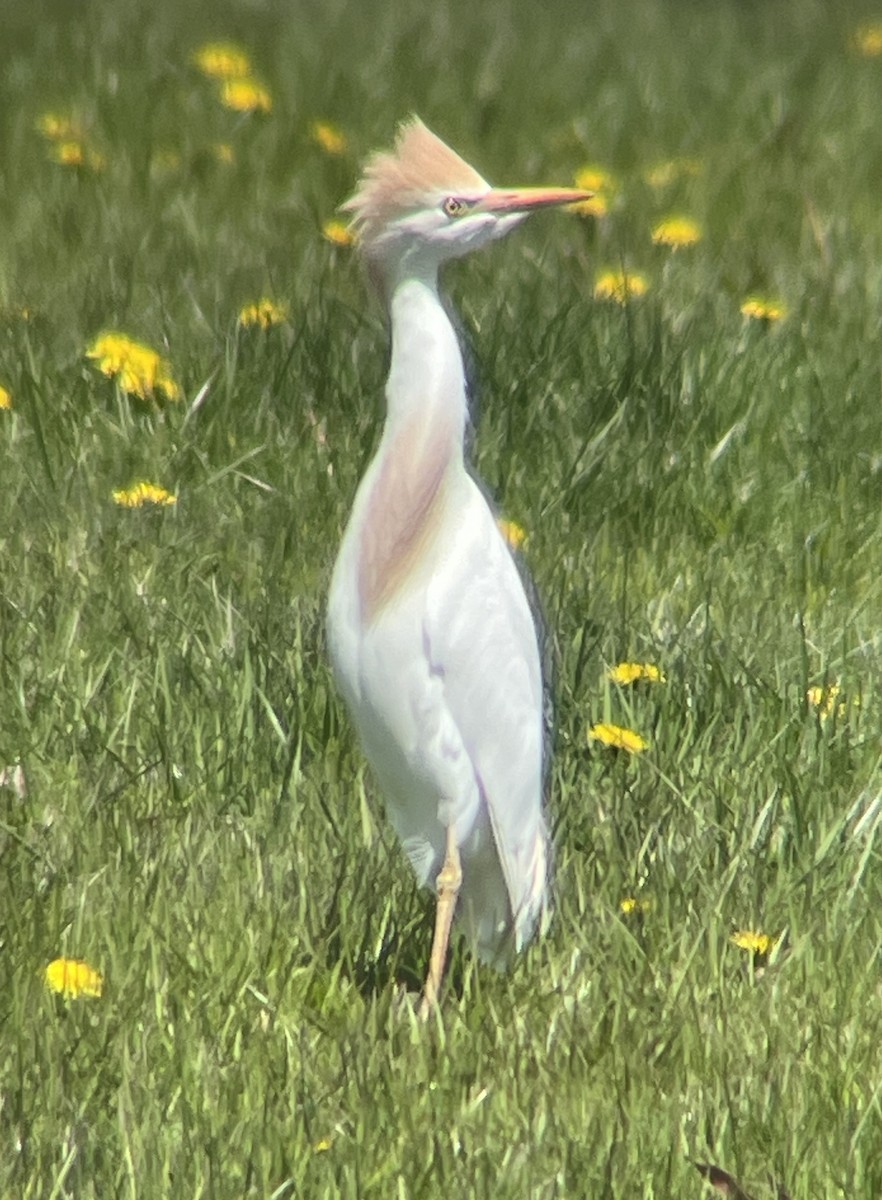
393,953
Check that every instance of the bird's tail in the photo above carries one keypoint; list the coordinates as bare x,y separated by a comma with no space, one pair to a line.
486,916
533,901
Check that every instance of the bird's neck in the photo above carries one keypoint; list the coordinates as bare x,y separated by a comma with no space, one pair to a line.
405,502
426,385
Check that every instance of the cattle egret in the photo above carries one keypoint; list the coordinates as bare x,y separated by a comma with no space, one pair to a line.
431,635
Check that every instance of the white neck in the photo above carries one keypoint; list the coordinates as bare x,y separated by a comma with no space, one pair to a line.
426,378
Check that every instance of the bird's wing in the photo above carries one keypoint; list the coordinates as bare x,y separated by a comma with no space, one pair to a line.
481,643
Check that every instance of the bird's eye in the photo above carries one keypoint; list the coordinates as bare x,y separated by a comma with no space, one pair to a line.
452,206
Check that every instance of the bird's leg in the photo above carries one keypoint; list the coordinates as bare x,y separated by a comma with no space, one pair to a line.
448,884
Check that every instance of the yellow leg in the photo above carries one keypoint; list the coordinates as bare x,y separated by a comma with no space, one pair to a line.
448,883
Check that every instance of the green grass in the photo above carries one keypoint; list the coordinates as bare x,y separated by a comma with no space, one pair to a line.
700,491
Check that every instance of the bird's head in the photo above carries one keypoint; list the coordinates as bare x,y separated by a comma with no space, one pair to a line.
420,204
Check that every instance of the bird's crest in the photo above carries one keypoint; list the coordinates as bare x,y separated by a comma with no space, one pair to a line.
397,180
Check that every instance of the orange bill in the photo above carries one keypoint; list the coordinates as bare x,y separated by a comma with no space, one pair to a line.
503,201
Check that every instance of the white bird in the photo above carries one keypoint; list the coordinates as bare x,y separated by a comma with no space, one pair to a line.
431,635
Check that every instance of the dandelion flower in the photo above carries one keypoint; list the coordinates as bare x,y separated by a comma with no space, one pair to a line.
69,146
634,904
59,127
5,398
71,977
137,368
264,313
71,154
758,944
620,286
762,308
595,179
331,139
825,700
337,233
513,533
323,1145
76,154
867,39
616,737
595,206
631,672
222,60
676,232
140,494
246,96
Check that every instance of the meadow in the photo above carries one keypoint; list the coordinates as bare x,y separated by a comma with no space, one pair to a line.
695,460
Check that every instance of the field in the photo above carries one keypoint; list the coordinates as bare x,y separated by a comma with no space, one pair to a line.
697,467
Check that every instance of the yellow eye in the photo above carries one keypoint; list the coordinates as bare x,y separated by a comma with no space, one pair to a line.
451,206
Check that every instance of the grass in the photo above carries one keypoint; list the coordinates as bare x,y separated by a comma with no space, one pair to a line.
700,490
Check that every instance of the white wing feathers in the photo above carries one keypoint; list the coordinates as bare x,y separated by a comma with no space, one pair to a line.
481,645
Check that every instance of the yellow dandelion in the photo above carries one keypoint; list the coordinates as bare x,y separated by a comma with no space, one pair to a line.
5,398
143,493
867,39
137,368
592,178
224,153
70,153
246,96
762,308
59,127
513,533
616,737
323,1145
824,700
337,233
758,944
663,174
331,139
620,286
76,154
222,60
596,206
264,313
634,904
71,977
632,672
676,232
600,181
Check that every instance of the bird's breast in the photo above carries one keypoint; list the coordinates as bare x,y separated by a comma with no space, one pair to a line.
404,512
